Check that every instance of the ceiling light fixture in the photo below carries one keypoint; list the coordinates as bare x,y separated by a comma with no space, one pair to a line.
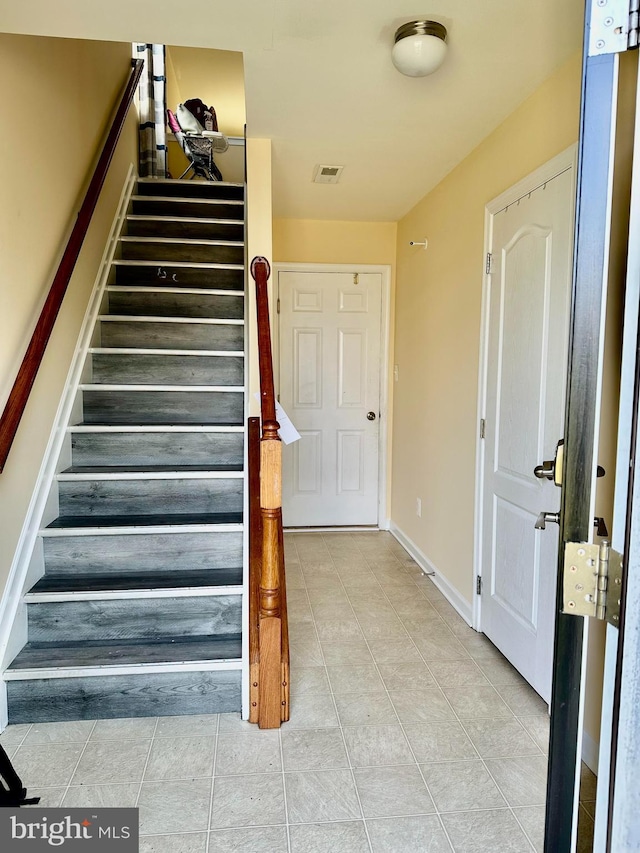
420,48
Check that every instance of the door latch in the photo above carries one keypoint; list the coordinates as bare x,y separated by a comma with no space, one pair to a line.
592,581
551,469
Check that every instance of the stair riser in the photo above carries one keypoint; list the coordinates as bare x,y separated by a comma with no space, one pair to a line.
133,619
167,369
143,497
168,276
189,252
191,336
186,230
152,552
155,304
150,448
109,697
219,210
163,407
190,189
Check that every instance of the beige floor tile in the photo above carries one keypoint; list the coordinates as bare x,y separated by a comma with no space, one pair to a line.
501,738
393,791
325,795
522,780
462,786
415,834
313,749
342,837
446,741
242,754
365,709
373,746
248,801
484,831
188,842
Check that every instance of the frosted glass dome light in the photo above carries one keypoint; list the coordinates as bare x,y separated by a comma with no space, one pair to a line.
420,48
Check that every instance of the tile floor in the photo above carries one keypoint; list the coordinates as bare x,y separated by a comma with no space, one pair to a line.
409,733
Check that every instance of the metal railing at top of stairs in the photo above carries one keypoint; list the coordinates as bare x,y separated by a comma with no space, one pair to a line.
268,627
19,394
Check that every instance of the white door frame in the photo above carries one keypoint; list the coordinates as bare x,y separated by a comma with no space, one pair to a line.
567,159
385,377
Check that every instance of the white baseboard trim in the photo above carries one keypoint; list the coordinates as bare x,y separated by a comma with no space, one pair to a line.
590,751
460,604
12,597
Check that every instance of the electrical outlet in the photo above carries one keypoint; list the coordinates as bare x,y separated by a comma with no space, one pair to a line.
419,507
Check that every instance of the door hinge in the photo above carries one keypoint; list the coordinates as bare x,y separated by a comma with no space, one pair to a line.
489,265
613,26
483,426
592,581
278,306
478,585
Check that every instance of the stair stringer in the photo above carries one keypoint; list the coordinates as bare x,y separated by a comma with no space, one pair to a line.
27,564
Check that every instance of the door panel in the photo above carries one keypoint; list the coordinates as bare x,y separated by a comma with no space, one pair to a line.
329,382
526,368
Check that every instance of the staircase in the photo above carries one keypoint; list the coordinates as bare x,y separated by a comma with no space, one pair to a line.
139,611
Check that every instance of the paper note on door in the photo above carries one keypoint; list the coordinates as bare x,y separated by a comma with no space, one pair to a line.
287,432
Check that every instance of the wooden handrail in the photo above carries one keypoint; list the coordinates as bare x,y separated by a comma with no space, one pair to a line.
268,615
19,395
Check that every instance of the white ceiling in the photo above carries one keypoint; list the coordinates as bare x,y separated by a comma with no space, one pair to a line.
319,81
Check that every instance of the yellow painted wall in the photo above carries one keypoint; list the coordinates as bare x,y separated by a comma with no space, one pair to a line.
316,241
438,305
217,78
65,91
259,243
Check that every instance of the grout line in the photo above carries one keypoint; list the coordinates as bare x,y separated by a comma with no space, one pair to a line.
146,764
82,752
213,781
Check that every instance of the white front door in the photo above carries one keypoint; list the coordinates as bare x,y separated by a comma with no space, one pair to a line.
330,388
526,370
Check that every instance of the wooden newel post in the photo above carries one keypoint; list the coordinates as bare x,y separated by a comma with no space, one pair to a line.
270,605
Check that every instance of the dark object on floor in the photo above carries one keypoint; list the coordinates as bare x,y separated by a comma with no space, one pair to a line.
12,791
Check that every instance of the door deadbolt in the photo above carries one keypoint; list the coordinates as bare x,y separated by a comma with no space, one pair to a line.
371,416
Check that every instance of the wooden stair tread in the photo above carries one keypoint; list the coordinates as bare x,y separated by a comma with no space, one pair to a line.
149,469
89,582
179,519
119,652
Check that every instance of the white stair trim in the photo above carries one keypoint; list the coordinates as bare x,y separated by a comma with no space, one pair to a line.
133,351
84,477
210,183
188,200
142,318
122,669
129,594
90,428
198,265
135,530
181,241
232,389
152,217
196,291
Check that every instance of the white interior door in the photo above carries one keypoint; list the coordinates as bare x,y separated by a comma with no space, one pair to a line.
330,388
526,371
